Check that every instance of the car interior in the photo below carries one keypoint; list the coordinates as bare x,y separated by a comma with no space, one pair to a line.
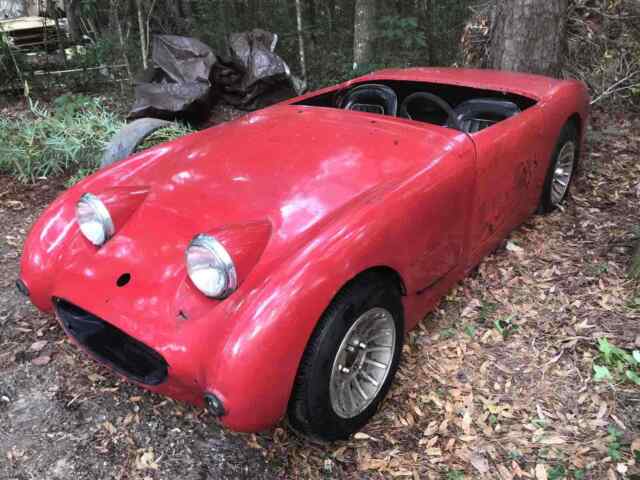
466,109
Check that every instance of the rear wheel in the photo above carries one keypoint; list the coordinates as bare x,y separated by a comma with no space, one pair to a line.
350,361
562,169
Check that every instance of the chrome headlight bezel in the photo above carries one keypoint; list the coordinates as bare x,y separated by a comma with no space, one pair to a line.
101,217
220,262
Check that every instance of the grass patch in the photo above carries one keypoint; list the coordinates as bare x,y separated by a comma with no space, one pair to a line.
68,138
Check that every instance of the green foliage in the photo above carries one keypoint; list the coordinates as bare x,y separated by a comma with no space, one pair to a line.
404,31
470,330
68,139
487,309
616,364
455,475
557,473
166,134
448,333
506,327
614,446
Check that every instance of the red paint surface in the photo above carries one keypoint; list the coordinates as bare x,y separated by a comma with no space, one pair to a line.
304,198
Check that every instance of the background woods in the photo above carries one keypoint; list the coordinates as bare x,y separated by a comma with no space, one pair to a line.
530,368
325,41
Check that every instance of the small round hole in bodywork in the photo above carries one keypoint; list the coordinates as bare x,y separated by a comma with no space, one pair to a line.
123,279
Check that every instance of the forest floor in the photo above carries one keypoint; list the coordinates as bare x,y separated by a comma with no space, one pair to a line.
497,383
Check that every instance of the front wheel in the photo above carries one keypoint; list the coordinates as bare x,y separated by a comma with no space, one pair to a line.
562,169
350,361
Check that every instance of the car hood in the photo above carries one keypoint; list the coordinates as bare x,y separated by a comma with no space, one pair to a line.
291,166
276,174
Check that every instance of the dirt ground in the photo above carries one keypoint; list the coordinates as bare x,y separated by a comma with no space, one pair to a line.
497,383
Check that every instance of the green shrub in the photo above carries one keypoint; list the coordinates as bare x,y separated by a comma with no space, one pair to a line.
68,139
616,364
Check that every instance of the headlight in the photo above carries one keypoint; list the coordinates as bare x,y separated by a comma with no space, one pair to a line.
94,219
210,267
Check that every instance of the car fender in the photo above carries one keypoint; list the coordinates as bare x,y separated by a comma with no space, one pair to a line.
275,320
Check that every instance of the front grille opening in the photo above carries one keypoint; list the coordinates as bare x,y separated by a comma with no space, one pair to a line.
112,346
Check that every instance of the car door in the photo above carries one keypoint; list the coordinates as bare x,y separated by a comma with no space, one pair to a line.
508,155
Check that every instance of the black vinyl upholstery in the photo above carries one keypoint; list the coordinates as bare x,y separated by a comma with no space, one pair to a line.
479,113
372,97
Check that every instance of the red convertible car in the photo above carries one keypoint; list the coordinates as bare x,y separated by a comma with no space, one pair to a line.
271,266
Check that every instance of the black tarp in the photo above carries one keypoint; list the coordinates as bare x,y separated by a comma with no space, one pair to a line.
187,77
177,85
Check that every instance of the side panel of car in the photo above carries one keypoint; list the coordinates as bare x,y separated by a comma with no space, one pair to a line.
509,154
427,213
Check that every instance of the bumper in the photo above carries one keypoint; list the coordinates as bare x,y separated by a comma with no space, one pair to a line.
147,364
111,346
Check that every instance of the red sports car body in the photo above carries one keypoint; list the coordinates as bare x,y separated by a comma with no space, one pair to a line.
304,196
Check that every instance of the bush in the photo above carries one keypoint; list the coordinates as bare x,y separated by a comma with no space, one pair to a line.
68,139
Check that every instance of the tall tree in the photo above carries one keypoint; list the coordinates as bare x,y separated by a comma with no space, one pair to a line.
303,63
364,32
72,11
143,34
529,36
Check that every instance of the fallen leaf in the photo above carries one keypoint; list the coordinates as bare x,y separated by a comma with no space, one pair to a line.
480,463
541,472
41,360
37,346
512,247
504,473
147,461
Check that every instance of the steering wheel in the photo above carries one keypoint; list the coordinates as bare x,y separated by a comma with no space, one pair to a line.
452,118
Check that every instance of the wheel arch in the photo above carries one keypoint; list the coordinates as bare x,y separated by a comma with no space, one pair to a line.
388,273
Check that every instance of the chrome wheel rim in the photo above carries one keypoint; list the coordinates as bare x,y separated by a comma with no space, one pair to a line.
562,173
363,361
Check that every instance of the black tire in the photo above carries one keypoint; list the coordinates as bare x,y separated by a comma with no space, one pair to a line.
125,142
569,133
310,411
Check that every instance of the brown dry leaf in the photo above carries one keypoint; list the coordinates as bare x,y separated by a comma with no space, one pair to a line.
41,360
541,472
434,452
480,463
505,474
553,440
108,426
37,346
369,463
147,461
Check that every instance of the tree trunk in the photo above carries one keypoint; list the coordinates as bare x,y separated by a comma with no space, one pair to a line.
143,35
364,33
529,36
429,26
303,63
114,21
72,10
635,263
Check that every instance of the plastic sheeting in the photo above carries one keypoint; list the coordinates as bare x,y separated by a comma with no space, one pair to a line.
177,85
187,77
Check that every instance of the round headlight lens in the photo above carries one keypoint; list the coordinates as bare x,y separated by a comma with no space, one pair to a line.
210,267
94,219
